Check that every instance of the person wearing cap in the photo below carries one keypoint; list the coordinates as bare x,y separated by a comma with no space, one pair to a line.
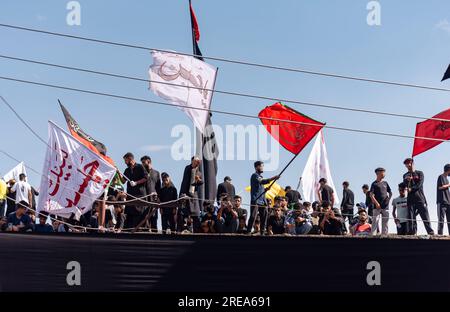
226,187
443,200
380,194
417,202
19,221
22,190
400,211
258,202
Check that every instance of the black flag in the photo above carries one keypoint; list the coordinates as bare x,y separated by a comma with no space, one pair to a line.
208,142
447,74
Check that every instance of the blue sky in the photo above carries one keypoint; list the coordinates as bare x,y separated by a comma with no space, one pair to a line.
411,45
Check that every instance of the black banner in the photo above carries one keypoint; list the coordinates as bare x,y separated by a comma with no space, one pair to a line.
221,264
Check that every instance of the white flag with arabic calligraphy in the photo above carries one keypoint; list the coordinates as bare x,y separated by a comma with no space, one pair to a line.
171,69
317,167
73,176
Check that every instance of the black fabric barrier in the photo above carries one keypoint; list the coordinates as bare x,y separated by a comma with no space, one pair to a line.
188,263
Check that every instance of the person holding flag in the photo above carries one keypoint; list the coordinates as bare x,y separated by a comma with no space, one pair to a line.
417,202
293,131
258,202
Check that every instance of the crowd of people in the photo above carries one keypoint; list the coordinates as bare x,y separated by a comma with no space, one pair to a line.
150,195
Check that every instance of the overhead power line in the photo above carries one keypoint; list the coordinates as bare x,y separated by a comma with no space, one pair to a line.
232,93
122,97
233,61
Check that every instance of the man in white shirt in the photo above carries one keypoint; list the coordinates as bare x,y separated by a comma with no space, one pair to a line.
401,212
22,189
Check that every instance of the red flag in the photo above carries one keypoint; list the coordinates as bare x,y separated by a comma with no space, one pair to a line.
194,23
434,129
293,136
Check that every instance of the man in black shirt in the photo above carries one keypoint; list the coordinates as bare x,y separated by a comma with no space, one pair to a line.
417,203
226,187
136,188
275,224
153,186
368,201
326,193
242,213
168,193
190,185
348,202
380,193
330,220
443,200
293,197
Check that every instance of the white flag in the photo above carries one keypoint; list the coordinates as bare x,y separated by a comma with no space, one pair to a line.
317,167
15,172
73,176
171,68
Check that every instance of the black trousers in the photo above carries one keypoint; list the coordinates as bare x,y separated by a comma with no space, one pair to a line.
168,221
403,229
255,210
421,209
443,211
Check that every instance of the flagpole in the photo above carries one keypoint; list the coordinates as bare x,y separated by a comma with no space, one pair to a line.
279,175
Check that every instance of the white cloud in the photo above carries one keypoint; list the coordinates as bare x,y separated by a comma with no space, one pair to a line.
443,25
155,148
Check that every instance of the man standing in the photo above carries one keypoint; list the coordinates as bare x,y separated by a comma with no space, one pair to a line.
226,187
348,202
168,193
417,203
22,190
136,188
153,186
443,200
258,203
368,201
400,211
192,179
380,193
3,190
325,193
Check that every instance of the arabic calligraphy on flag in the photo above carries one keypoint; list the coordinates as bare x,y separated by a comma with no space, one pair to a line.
194,78
73,176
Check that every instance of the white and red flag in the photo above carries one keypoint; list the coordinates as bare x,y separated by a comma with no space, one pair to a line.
73,175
